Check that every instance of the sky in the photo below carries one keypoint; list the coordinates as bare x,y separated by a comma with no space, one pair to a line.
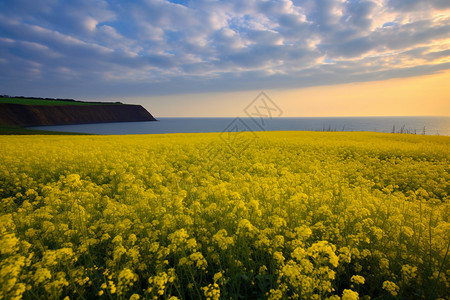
212,58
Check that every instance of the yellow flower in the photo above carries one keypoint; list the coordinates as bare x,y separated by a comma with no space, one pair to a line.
212,291
350,295
279,258
323,252
199,260
218,276
42,275
408,272
262,270
391,287
222,240
275,294
357,279
303,207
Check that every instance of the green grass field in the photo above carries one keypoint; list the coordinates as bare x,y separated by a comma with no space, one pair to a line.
27,101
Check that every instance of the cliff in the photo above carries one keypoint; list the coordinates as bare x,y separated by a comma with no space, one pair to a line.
40,115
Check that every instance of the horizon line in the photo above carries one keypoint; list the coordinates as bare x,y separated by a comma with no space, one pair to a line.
246,117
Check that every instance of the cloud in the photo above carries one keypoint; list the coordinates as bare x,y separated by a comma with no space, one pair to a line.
145,47
416,5
433,55
358,14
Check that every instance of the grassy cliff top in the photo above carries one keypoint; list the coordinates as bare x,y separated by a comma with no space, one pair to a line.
49,101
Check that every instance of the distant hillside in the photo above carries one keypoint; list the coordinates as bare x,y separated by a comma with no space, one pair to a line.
39,112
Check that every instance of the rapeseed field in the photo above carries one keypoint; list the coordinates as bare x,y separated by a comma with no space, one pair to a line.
276,215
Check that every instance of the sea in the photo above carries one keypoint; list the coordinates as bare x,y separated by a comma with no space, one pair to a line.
411,125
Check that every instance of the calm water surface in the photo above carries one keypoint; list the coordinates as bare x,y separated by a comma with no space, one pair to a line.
418,125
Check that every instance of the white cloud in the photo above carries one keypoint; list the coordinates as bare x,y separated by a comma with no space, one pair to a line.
90,23
156,46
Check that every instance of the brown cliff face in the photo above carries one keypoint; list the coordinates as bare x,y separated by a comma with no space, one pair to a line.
41,115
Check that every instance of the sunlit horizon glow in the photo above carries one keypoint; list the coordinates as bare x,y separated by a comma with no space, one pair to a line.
210,58
417,96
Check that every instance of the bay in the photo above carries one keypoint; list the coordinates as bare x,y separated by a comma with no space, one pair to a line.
414,125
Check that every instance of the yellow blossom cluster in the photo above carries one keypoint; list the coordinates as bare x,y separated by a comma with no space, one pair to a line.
292,215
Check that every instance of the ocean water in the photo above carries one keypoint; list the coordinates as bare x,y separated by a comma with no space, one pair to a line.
417,125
